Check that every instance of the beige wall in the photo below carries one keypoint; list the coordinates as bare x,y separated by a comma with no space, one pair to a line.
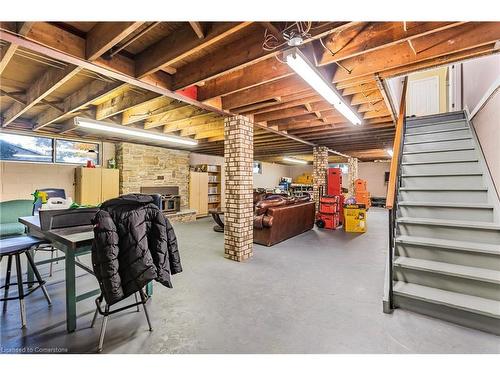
374,173
269,178
271,174
487,125
19,180
478,76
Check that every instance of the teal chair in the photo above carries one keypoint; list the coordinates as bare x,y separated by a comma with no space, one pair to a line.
10,211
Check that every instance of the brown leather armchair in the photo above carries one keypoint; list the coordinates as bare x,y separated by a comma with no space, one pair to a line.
278,218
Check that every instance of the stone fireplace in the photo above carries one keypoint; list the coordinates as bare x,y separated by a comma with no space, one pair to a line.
144,165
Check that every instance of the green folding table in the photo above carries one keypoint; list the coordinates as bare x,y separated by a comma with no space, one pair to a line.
73,242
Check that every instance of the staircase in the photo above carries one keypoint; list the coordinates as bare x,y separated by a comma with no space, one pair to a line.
446,260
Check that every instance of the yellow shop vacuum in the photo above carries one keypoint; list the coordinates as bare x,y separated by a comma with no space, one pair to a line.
355,218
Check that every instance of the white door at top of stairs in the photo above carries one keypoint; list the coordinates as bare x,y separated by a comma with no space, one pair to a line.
423,97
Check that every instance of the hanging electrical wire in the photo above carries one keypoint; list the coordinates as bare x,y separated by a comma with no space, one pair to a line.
333,54
292,34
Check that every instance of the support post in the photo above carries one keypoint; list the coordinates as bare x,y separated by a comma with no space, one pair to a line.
320,165
238,171
352,175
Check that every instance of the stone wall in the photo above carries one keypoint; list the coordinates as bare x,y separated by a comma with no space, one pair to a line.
143,165
238,165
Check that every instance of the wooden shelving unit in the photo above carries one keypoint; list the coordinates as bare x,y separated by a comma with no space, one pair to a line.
213,184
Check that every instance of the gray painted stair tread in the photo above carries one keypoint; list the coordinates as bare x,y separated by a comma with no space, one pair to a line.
438,131
447,204
441,162
472,188
450,244
437,141
440,150
460,301
449,223
443,174
427,125
432,121
475,273
436,115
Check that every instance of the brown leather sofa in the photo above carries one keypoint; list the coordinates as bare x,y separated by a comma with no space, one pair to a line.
278,218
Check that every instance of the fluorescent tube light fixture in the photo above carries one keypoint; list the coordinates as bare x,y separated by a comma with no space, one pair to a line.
389,152
293,160
131,132
301,65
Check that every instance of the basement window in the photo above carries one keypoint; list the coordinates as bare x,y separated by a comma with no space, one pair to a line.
73,152
257,167
25,148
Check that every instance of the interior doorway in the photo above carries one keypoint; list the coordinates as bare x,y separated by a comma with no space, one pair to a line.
423,96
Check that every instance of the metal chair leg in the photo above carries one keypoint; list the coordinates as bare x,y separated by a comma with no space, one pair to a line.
94,319
137,301
7,282
143,298
20,290
103,329
51,263
38,277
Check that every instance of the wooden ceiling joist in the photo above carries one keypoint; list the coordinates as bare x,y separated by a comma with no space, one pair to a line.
125,101
105,35
180,44
69,48
175,114
236,55
191,130
190,122
198,29
21,28
459,38
264,71
371,36
278,88
47,83
76,101
147,108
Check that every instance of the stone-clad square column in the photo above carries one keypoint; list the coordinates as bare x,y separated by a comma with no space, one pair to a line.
352,175
238,172
320,165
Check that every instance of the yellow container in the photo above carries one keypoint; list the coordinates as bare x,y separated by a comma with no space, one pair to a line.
355,218
304,178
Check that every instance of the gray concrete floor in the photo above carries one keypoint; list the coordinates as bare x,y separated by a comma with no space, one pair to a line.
320,292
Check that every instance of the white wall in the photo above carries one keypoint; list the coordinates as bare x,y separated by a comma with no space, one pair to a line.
478,76
271,174
374,174
487,126
19,180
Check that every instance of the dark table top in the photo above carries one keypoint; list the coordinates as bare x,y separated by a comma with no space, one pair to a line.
72,237
218,211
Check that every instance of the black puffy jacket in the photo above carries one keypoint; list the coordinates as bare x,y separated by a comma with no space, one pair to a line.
133,244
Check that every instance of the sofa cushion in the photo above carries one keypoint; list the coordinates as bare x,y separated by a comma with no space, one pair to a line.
10,229
283,222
